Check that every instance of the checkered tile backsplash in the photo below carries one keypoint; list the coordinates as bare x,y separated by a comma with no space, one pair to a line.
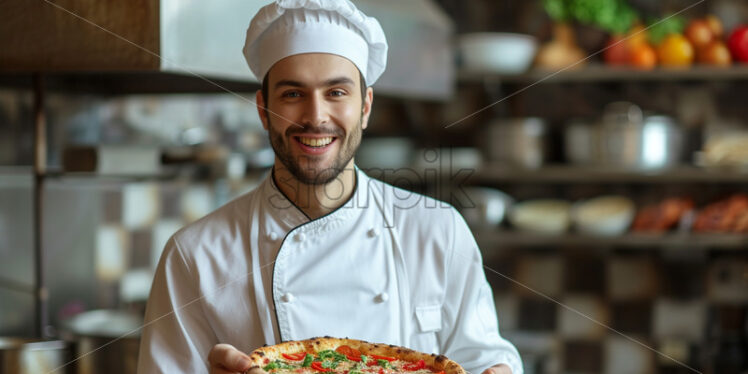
608,310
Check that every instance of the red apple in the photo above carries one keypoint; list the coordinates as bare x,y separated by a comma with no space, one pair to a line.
738,43
615,52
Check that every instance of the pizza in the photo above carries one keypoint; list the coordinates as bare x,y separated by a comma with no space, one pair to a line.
346,356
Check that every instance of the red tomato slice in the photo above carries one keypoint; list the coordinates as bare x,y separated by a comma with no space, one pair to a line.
348,351
354,358
390,359
413,366
294,356
344,349
316,365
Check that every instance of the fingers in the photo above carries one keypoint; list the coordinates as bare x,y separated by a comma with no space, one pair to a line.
224,359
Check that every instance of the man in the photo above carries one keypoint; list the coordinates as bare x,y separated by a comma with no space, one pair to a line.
319,248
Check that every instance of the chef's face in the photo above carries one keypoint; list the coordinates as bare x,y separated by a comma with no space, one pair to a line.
315,114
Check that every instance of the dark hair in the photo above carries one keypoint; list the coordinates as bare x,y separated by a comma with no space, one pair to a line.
265,89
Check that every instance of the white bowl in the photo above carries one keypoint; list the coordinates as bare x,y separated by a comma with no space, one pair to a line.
486,206
545,216
603,216
504,53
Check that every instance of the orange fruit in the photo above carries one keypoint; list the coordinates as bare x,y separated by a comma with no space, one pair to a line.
637,35
716,53
675,51
699,33
715,25
643,57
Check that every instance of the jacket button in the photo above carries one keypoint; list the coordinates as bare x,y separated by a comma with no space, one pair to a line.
273,236
287,297
300,237
373,232
382,297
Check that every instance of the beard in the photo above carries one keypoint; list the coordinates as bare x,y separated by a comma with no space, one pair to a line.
308,169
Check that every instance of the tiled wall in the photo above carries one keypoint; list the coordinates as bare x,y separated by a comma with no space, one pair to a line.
16,253
601,310
111,235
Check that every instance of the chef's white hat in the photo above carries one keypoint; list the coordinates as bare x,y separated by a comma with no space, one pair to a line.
289,27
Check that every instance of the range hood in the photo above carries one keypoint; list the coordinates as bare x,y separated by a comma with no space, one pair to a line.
205,38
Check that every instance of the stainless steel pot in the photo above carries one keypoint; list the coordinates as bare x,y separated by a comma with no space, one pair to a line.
517,141
106,341
29,356
631,140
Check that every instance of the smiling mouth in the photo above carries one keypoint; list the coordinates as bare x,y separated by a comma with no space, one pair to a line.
315,142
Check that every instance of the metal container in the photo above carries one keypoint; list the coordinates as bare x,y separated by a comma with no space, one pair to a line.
582,142
106,341
519,142
631,140
30,356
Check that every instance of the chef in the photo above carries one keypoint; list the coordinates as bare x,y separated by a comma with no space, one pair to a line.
319,248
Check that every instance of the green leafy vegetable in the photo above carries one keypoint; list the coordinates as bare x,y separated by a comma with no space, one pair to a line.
270,366
307,361
614,16
339,356
329,364
384,363
660,28
327,353
557,9
277,364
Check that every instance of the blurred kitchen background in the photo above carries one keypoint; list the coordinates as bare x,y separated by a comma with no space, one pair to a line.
614,185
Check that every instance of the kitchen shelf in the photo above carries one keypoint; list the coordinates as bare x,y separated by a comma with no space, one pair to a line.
491,173
601,73
489,238
577,174
131,82
110,177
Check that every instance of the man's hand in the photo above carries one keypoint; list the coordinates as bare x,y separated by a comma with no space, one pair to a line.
225,359
498,369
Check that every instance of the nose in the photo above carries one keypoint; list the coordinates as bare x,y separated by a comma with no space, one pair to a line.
316,111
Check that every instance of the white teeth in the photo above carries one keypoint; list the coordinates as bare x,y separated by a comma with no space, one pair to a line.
315,142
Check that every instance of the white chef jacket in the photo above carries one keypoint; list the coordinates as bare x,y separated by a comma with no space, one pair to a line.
390,266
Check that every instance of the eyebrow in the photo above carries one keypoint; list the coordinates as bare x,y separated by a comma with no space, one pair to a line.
329,82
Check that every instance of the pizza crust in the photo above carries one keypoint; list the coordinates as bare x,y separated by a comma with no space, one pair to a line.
262,356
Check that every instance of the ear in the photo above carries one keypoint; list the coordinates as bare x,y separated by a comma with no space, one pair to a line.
261,109
366,111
